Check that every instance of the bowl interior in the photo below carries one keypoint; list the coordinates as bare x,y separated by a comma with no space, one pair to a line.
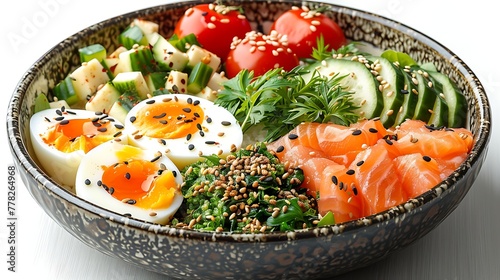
371,29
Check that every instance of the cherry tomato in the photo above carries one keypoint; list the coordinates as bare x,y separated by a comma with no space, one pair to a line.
214,25
260,53
303,27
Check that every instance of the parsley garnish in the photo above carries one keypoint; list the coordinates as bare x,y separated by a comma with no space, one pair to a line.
280,100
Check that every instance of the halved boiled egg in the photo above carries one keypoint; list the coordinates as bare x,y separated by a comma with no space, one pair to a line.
142,184
184,127
61,137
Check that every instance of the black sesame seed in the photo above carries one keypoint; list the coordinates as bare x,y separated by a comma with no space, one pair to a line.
268,179
64,122
111,190
359,163
335,180
131,201
373,130
196,102
389,142
188,137
117,134
198,126
98,113
350,172
226,123
47,119
404,91
426,158
102,129
210,142
97,124
99,183
190,100
190,147
63,108
152,101
87,182
202,134
132,119
160,115
174,173
59,118
341,185
119,126
209,120
187,110
354,190
292,136
196,114
356,132
156,158
71,112
280,149
163,121
127,175
59,112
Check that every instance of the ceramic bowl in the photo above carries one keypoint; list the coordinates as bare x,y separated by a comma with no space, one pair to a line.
304,254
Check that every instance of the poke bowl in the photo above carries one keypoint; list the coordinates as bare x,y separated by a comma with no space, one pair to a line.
311,252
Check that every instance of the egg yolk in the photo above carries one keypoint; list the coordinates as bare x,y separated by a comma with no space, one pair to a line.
141,183
78,134
169,119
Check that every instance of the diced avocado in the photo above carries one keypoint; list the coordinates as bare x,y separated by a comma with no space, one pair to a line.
184,44
177,82
168,57
132,81
92,51
104,99
131,36
156,80
199,77
64,90
197,54
139,58
87,78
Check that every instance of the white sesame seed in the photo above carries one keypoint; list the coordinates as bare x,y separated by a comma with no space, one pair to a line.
189,12
315,22
312,28
210,25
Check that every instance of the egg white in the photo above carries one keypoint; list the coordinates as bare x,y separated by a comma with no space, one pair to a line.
221,133
91,170
59,165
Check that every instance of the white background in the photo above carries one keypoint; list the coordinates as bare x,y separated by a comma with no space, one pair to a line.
465,246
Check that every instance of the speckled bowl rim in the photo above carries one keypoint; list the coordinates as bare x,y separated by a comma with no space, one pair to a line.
482,138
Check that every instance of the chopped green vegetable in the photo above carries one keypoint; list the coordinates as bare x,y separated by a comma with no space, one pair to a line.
233,194
402,58
41,103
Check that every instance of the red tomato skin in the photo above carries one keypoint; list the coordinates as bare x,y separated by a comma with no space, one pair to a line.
303,27
246,55
215,31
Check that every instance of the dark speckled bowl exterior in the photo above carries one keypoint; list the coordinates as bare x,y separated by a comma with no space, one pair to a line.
311,253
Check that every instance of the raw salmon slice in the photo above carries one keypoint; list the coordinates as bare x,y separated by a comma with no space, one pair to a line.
417,173
336,194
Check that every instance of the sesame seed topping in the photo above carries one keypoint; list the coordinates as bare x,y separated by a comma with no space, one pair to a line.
292,136
426,158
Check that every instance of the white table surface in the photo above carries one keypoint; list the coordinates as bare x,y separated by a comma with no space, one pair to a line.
465,246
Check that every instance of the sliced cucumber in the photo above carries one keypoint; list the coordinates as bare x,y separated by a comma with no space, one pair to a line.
358,79
439,116
156,80
168,57
104,99
132,81
392,83
426,95
139,58
122,106
64,90
92,51
410,93
87,78
131,36
199,77
457,104
184,44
